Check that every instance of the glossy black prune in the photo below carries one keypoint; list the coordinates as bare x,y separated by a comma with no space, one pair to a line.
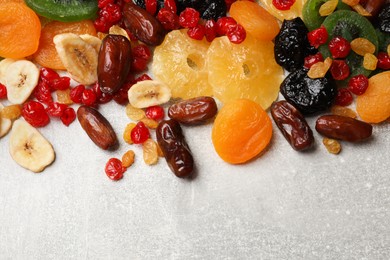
306,94
384,19
292,45
208,9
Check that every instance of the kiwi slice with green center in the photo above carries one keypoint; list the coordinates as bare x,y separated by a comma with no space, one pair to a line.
65,10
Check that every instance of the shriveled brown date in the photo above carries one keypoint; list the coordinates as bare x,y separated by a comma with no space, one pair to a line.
143,25
343,128
193,111
171,140
97,127
292,124
114,62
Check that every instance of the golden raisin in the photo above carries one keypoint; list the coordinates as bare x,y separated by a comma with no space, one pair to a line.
150,154
388,49
11,112
360,10
128,159
328,7
101,35
319,69
343,111
362,46
333,146
351,2
127,133
369,61
150,123
63,97
159,151
134,113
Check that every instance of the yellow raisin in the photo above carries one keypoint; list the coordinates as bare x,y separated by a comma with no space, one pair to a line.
362,46
11,112
134,113
128,158
101,35
388,49
360,10
159,151
127,133
150,123
351,2
319,69
149,148
370,61
328,7
333,146
343,111
63,97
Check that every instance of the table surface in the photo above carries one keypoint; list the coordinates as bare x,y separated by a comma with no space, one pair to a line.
283,205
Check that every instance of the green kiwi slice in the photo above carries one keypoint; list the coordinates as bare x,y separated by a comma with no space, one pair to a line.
350,25
65,10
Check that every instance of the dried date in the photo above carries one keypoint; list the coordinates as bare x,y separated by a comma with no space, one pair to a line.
343,128
293,125
193,111
171,140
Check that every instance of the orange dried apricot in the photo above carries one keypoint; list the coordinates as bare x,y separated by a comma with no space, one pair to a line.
46,54
20,30
374,105
242,129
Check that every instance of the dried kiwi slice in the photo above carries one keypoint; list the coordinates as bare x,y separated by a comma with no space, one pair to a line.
65,10
350,25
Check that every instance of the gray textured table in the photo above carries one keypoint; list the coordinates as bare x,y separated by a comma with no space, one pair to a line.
284,205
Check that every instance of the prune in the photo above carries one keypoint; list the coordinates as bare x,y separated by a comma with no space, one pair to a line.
384,19
306,94
292,45
141,3
208,9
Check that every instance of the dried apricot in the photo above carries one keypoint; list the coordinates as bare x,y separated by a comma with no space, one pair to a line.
242,129
20,30
373,106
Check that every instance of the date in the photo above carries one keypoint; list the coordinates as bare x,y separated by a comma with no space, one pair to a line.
171,140
293,125
343,128
97,128
114,63
193,111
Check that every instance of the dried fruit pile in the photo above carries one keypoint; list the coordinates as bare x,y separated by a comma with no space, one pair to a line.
235,51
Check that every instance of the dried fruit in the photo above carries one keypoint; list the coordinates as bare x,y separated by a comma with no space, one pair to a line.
127,133
35,114
63,97
370,61
11,112
149,149
328,7
128,158
134,113
140,133
332,145
114,169
319,69
150,123
362,46
343,111
148,93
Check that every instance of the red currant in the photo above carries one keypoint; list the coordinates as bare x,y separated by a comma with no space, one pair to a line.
358,84
114,169
223,25
155,112
312,59
48,75
197,32
35,114
318,37
210,30
169,20
76,94
3,91
236,34
339,47
61,83
189,18
339,70
383,61
56,109
42,92
141,51
283,4
68,116
171,5
140,133
151,6
88,97
343,97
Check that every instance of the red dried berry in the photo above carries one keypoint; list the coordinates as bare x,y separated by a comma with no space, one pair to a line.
358,84
56,109
383,61
236,34
103,3
197,32
283,4
101,25
111,13
42,92
3,91
76,94
102,98
312,59
140,133
138,64
151,6
88,97
339,47
343,97
171,5
339,70
189,18
61,83
141,51
35,114
155,112
210,30
48,75
68,116
114,169
223,25
143,77
169,20
121,97
318,36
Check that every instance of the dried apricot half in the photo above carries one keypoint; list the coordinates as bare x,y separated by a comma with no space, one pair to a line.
242,129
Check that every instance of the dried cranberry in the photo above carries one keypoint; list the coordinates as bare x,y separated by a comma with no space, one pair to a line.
169,20
114,169
101,97
76,94
88,97
3,91
318,37
48,75
143,77
343,97
103,3
141,51
56,109
68,116
140,133
383,61
35,114
339,47
171,5
151,6
223,25
283,4
138,64
155,112
210,30
121,97
42,92
358,84
101,25
196,32
236,34
111,12
312,59
339,70
189,18
61,83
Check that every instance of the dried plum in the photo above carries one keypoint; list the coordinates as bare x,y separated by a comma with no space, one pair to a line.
307,94
208,9
141,3
292,45
384,19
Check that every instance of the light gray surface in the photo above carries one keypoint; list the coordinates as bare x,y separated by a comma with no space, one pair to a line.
284,205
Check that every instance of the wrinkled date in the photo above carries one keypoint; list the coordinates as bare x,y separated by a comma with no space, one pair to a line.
97,127
171,140
114,63
193,111
143,25
343,128
292,124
